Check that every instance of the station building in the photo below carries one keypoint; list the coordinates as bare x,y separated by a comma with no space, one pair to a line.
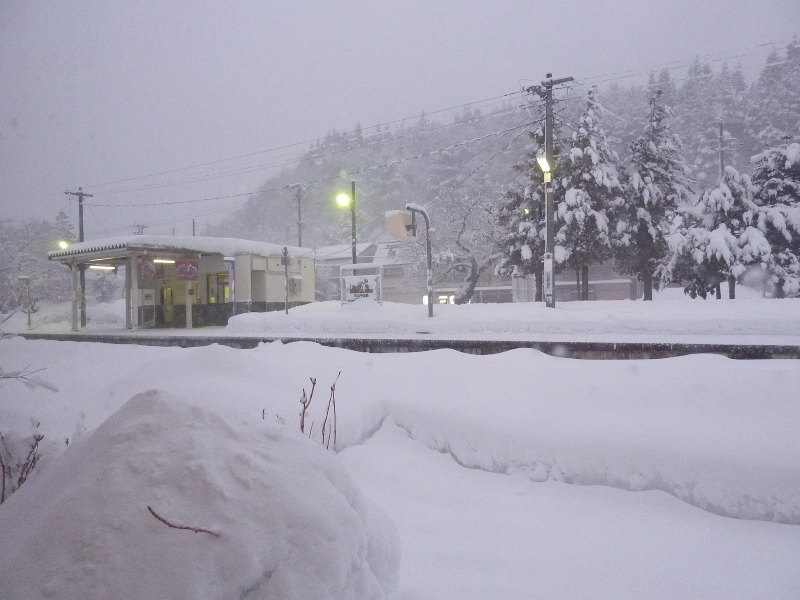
194,281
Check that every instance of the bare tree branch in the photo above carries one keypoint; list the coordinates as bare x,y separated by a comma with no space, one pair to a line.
173,526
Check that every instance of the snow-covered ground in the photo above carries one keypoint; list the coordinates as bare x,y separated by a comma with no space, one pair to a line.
671,317
515,475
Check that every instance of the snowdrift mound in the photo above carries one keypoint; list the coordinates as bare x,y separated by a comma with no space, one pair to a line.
166,500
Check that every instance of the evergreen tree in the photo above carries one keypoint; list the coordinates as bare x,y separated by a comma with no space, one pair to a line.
522,217
705,247
774,104
657,187
731,111
776,179
591,184
622,107
696,122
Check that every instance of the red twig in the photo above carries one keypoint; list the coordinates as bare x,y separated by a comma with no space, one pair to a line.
168,524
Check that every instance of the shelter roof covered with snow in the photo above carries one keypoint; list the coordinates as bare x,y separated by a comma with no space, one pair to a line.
193,244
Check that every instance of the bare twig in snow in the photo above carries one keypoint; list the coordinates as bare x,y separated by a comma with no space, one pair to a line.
23,374
306,402
329,427
168,524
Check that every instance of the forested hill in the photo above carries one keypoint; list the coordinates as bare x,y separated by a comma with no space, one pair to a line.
437,163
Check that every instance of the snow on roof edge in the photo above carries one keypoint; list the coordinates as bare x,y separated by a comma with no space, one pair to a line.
202,244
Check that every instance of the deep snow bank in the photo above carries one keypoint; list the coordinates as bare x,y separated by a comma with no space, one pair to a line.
282,518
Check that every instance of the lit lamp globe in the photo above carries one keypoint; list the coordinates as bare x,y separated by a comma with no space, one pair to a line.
343,200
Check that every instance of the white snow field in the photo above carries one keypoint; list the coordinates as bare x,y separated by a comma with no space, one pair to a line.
514,475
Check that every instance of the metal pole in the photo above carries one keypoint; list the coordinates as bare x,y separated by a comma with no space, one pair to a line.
353,218
429,274
430,270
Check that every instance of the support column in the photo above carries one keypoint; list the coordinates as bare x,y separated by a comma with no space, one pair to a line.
134,269
189,293
75,295
128,316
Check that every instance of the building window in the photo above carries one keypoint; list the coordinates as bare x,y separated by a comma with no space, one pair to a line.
219,289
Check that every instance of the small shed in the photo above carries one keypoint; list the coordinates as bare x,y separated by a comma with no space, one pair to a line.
194,281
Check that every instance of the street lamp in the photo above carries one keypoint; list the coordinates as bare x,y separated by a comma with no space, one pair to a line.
27,281
415,209
344,200
549,284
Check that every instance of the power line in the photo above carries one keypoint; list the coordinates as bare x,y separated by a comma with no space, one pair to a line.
310,157
383,165
294,144
603,78
241,169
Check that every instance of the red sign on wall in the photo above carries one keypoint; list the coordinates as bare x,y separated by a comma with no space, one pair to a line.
186,269
147,270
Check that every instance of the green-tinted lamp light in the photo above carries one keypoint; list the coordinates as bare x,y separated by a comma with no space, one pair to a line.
343,200
63,244
543,164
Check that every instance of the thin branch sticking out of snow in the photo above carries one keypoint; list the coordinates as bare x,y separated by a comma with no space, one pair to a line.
172,525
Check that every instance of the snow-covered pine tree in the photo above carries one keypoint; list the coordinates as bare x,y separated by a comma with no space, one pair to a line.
591,184
696,122
776,180
774,102
657,186
522,217
621,110
730,109
705,246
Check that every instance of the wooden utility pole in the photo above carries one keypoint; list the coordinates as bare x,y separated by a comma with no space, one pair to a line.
721,150
298,192
545,90
80,194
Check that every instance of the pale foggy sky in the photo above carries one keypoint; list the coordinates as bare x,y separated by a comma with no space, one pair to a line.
96,92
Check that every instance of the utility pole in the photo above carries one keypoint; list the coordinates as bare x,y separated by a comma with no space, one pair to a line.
298,192
353,220
721,150
193,227
80,194
546,90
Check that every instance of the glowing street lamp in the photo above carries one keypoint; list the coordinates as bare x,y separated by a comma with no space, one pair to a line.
344,200
545,167
549,283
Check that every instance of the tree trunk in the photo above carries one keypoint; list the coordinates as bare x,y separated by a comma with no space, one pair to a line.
718,290
647,282
779,293
584,282
578,283
731,287
467,288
